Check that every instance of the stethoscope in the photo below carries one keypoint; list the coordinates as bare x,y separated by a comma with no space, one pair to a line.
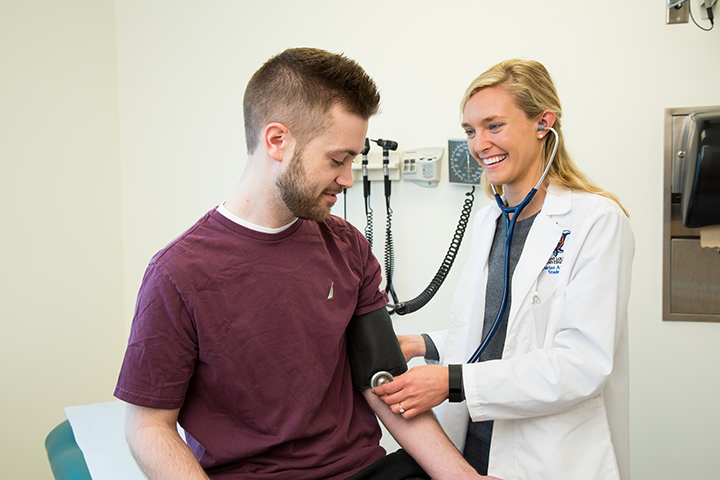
382,377
509,230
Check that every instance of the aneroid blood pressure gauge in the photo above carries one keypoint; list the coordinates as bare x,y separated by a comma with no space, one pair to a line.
463,167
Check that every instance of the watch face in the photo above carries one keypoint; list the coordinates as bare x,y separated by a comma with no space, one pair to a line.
463,167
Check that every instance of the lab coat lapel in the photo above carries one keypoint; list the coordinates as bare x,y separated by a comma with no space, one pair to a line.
539,246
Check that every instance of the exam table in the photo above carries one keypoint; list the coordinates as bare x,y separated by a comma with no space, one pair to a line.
66,459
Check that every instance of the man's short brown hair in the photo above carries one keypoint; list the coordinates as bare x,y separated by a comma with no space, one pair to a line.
299,86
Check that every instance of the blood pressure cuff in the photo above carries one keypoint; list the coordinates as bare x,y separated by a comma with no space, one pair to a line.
373,347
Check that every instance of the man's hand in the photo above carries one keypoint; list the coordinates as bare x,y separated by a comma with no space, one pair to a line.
415,391
412,346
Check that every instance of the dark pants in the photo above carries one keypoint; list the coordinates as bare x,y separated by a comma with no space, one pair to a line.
396,466
477,445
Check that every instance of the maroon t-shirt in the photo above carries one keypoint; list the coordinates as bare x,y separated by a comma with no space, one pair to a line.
245,333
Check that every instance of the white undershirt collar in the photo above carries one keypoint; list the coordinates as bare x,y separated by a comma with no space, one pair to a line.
230,216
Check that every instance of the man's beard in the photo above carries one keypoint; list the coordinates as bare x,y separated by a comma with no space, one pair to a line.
298,195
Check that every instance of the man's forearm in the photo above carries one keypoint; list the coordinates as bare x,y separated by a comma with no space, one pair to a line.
424,439
158,448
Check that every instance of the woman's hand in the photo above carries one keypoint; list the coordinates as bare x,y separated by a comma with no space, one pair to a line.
415,391
412,346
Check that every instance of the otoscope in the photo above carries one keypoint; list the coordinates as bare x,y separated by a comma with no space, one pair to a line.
388,145
366,194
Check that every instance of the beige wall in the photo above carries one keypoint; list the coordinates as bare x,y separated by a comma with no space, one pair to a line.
60,221
181,70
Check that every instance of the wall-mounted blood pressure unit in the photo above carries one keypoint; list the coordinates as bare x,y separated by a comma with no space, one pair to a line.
373,350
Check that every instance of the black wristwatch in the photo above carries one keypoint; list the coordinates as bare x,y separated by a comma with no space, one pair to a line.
455,379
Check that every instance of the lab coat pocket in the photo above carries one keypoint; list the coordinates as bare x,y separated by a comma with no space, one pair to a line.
545,312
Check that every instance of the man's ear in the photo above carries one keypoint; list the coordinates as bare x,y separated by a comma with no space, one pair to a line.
278,141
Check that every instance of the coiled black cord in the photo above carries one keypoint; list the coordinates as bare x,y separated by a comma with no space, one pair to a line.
389,253
369,222
421,300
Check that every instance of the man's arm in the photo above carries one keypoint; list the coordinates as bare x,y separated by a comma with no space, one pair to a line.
424,439
157,447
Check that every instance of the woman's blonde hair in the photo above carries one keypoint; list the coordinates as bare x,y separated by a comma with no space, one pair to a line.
532,88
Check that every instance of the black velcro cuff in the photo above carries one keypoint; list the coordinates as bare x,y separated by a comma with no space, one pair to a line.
372,346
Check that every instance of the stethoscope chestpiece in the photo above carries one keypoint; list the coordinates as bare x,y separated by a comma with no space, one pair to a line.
380,379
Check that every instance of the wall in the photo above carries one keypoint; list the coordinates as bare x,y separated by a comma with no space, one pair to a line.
183,67
60,222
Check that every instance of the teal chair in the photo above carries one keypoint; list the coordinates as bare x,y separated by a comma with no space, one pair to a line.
66,459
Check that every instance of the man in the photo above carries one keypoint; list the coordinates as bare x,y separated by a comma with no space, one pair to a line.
239,330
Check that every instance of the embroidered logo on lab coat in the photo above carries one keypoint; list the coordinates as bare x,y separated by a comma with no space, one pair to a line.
553,264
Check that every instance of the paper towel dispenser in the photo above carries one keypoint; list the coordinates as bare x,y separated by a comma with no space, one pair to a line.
691,272
700,155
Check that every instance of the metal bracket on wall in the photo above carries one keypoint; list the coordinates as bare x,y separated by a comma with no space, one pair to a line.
677,14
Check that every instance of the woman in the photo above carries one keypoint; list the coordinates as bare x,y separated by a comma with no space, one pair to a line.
548,397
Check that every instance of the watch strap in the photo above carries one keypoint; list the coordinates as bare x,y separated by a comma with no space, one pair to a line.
455,380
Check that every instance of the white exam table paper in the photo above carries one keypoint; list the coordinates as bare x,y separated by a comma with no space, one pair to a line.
99,431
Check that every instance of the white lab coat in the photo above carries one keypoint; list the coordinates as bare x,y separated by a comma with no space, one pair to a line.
559,396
